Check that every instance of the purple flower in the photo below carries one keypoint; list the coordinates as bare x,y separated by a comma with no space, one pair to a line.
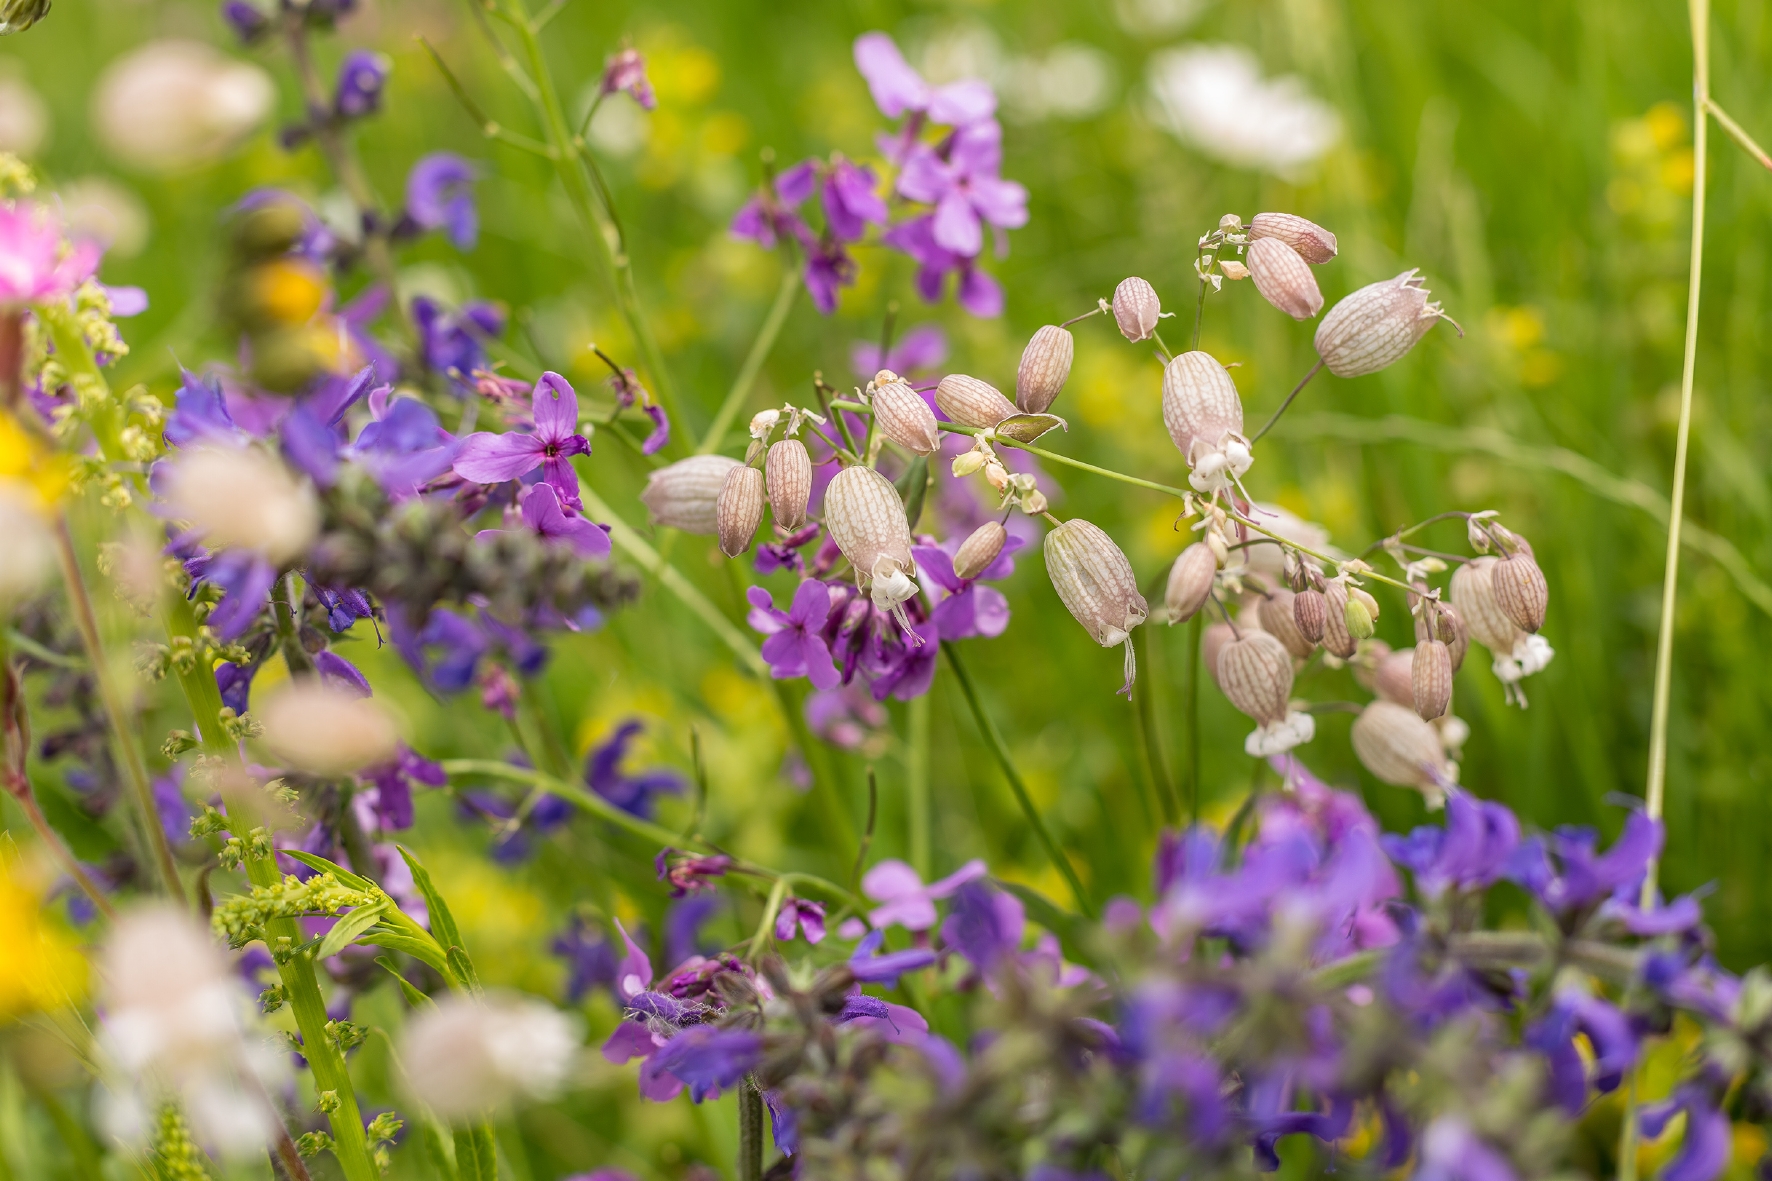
1670,918
248,23
966,609
897,88
869,967
487,458
450,344
630,793
770,215
393,782
906,901
1450,1151
903,666
404,447
1708,1143
922,348
174,810
440,195
682,927
710,1060
361,79
985,925
807,916
542,512
626,72
965,189
200,414
794,647
1585,877
689,874
460,641
850,202
343,607
1472,851
338,673
829,268
590,959
245,577
235,683
977,292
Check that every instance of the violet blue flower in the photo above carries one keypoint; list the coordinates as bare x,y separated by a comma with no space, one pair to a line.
984,925
462,645
393,782
1472,851
870,967
1584,877
682,927
542,513
338,673
903,665
906,901
590,959
487,458
450,343
1708,1143
769,216
977,292
794,647
440,196
850,202
200,414
710,1060
235,684
784,554
175,812
921,349
626,72
806,915
248,23
897,88
361,79
965,189
246,578
404,447
343,607
632,793
1450,1151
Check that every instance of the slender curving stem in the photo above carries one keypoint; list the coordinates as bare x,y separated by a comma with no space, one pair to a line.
753,362
64,856
1284,406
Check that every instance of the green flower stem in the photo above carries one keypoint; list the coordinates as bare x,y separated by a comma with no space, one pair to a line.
1190,717
765,932
1145,717
753,362
1000,749
917,796
750,1132
576,174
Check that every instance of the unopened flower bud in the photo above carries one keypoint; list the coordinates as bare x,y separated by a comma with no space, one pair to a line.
1454,634
1205,419
326,731
972,402
18,15
866,518
684,495
1473,596
1232,269
245,498
1366,600
967,463
1255,672
1045,364
1136,308
996,475
1212,642
1358,617
1096,583
1309,612
739,510
1401,749
1392,678
1338,638
1190,582
1284,279
1431,679
1279,619
1376,325
1230,223
979,550
789,477
1313,243
1520,590
903,416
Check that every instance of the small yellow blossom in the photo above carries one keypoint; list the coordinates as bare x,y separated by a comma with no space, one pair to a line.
41,968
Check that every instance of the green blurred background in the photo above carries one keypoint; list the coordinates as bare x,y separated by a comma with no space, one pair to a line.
1531,156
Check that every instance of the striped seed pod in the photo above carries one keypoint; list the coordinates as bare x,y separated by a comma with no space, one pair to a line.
1310,612
903,415
1473,596
1255,672
1313,243
972,402
739,510
1392,678
789,477
1205,419
1454,634
979,550
1136,309
1338,640
1376,325
683,495
1212,642
866,518
1430,675
1284,279
1520,590
1279,618
1399,748
1190,582
1096,583
1045,364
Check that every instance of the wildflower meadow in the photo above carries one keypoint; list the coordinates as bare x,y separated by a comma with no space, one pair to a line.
979,591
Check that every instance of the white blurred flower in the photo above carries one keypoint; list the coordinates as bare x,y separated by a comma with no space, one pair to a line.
1157,17
98,207
327,731
1276,738
1214,97
26,542
1073,81
171,105
467,1055
24,116
618,128
242,497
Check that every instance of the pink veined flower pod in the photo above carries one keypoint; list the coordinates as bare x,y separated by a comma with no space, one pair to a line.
1454,634
1401,749
1097,585
1520,590
1136,309
1374,326
1255,672
1390,677
1190,582
1473,597
1311,614
972,402
684,495
739,510
1205,419
903,415
1279,618
1337,640
788,473
1212,642
1045,364
1313,243
1430,675
980,549
866,518
1284,279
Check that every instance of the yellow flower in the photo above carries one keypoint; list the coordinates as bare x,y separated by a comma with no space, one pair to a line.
41,969
26,461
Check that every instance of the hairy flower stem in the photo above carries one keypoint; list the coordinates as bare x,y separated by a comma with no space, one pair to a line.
1287,404
134,770
576,172
917,797
1145,706
750,1132
1190,718
994,739
753,362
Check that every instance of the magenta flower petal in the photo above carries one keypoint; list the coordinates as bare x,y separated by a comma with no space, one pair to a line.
816,655
962,103
812,605
486,458
979,294
556,409
895,86
1001,202
956,224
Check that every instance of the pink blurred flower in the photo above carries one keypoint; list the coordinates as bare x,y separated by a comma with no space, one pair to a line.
37,265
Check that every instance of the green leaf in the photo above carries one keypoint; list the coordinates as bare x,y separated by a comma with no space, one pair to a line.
476,1158
437,1152
419,949
414,997
345,931
1062,923
442,922
463,967
1025,428
345,876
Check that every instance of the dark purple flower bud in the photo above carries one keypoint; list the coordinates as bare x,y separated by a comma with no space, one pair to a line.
440,196
632,793
245,577
687,874
857,1005
361,79
807,916
336,671
343,607
626,72
235,683
248,23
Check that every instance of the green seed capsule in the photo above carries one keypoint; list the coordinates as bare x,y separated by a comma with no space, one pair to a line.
1358,619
